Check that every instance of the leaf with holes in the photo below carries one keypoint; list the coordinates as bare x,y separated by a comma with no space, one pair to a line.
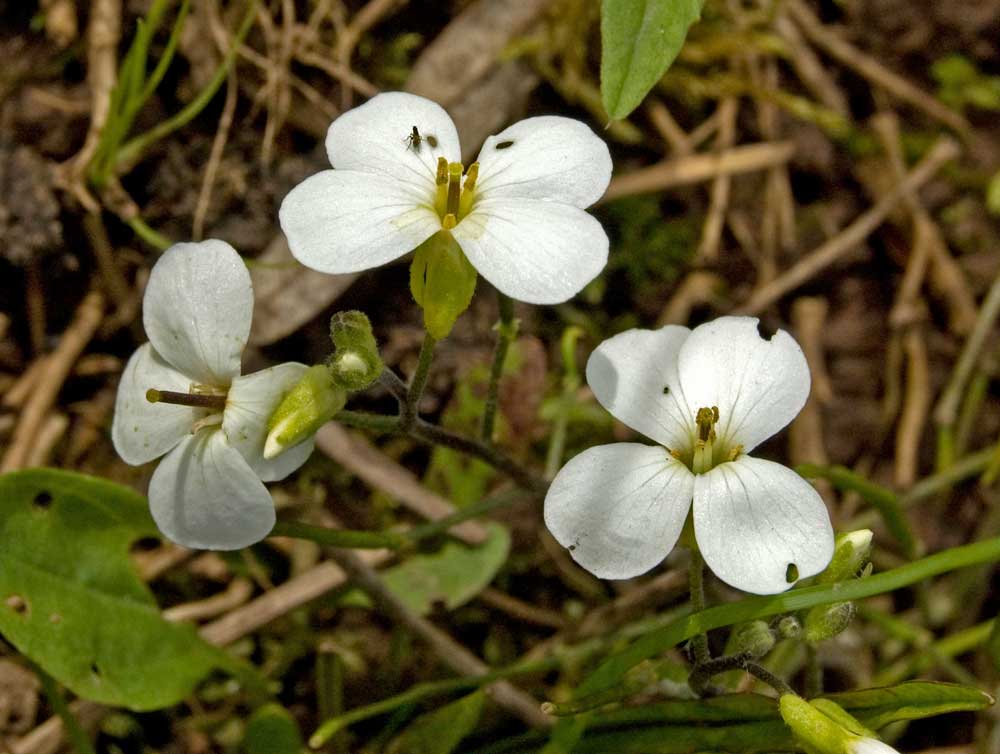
70,599
639,41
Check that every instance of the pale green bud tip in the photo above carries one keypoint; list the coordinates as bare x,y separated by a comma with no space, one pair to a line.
851,552
356,362
826,621
755,638
817,733
870,746
789,627
310,404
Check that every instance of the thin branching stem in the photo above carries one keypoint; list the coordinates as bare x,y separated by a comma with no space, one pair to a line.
506,331
696,585
418,382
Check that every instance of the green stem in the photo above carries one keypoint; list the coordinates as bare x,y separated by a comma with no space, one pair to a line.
703,672
766,676
659,641
814,672
696,586
378,423
155,239
506,332
131,151
77,736
417,383
484,506
346,538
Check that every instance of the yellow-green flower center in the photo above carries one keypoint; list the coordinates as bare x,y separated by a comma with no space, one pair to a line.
707,451
454,197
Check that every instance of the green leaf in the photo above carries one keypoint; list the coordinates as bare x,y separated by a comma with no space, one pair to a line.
639,41
451,576
912,700
273,730
441,731
70,599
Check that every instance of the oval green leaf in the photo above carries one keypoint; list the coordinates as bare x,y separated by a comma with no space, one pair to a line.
70,599
441,731
639,41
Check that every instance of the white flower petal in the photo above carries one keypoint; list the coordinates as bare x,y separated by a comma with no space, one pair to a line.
533,251
620,508
634,376
550,158
197,310
754,518
375,138
203,495
870,746
251,401
142,431
345,221
758,385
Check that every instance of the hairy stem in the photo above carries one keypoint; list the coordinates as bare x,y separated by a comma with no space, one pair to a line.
696,585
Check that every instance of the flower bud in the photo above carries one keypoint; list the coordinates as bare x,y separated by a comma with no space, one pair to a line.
822,726
826,621
355,363
789,627
754,638
851,551
442,282
309,405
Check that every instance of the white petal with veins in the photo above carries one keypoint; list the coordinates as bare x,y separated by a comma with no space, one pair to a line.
140,430
620,508
753,519
197,310
203,495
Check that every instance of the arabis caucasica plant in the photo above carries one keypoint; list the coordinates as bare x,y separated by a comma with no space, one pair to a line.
517,212
708,396
182,396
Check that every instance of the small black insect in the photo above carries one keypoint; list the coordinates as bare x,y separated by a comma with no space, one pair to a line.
414,140
505,145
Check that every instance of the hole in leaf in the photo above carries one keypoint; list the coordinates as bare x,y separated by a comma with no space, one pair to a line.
42,500
505,145
95,670
18,604
765,331
792,573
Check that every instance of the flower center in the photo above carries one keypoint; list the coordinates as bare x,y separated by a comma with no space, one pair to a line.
708,452
454,198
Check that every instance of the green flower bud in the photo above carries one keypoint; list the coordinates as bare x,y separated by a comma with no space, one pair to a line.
826,621
789,627
754,638
308,406
851,551
355,363
442,282
824,727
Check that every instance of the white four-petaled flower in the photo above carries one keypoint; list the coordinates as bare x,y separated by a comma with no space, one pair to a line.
708,396
208,491
517,212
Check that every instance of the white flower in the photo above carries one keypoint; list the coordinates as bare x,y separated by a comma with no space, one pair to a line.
517,212
208,491
869,746
708,396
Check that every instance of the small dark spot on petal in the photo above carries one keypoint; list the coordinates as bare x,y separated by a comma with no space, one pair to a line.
432,140
42,500
505,145
765,331
572,547
666,389
792,573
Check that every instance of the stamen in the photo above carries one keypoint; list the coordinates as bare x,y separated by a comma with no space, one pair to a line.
706,419
441,180
217,402
454,188
469,189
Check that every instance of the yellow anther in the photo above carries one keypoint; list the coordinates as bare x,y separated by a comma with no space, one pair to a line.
702,459
706,419
734,453
449,221
442,171
470,177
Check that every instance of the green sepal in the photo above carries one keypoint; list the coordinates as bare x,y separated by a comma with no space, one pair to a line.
826,621
355,363
816,731
308,406
754,638
442,282
851,552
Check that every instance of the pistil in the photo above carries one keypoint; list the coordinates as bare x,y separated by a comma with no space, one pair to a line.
196,400
706,419
452,199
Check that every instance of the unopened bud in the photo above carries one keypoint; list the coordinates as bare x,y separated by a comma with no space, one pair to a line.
754,638
823,727
442,282
826,621
851,552
355,363
789,627
308,406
